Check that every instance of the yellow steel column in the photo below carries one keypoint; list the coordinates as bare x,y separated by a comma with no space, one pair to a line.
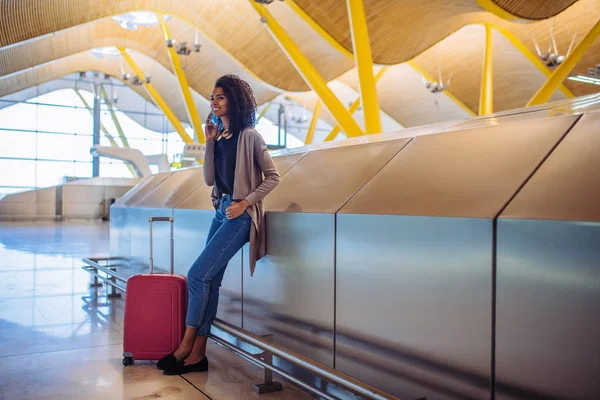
486,96
563,70
157,97
309,73
336,130
313,123
190,106
364,63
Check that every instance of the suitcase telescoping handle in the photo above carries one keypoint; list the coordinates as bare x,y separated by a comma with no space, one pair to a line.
162,219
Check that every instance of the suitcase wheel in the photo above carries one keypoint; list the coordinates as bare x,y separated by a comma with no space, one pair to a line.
127,361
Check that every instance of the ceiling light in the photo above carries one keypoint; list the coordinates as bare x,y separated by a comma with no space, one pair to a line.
585,79
131,21
106,52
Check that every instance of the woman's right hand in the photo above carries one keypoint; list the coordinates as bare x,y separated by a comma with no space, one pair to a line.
210,129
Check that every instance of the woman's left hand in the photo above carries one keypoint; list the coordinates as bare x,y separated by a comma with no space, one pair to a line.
236,209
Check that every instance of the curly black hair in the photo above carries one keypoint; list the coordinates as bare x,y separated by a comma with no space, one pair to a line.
241,104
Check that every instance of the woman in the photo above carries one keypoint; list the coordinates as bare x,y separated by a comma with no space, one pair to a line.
236,160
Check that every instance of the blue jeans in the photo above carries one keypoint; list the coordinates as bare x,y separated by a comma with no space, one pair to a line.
225,238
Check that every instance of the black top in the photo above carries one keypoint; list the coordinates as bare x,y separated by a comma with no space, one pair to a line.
225,155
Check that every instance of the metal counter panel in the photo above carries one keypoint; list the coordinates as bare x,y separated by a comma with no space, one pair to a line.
291,294
471,173
120,238
548,308
566,187
140,249
157,197
199,199
193,180
324,180
191,231
285,162
413,304
141,189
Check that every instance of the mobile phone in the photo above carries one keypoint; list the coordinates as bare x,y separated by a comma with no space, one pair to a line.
214,118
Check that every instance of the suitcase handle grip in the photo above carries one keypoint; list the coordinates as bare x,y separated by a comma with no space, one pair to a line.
162,219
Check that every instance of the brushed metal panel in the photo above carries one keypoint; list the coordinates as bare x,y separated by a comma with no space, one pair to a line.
120,238
323,181
471,173
191,231
548,303
199,199
413,304
193,180
46,195
158,196
116,191
84,194
141,189
566,187
81,210
285,162
140,249
291,294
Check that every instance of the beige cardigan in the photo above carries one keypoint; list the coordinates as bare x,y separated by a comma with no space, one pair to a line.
252,161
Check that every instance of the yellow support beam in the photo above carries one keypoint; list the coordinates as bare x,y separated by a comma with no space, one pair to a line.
188,100
364,64
533,58
336,130
158,100
313,123
490,6
486,96
309,73
563,70
114,118
318,28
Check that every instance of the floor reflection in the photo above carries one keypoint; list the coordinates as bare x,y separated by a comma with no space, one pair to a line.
62,339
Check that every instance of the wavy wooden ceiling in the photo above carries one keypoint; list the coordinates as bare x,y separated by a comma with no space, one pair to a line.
232,25
399,30
164,81
534,9
200,67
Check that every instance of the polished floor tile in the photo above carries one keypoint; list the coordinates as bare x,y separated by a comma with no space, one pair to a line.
61,339
90,373
231,378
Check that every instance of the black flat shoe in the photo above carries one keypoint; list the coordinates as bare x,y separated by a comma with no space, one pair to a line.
180,368
167,361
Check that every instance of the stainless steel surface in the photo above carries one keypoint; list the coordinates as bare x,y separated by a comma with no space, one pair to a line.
323,181
120,235
566,187
285,162
251,358
548,303
328,373
151,220
141,189
138,222
291,294
193,180
158,196
199,199
471,173
413,304
191,231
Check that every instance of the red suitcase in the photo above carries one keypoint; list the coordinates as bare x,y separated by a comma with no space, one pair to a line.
155,308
